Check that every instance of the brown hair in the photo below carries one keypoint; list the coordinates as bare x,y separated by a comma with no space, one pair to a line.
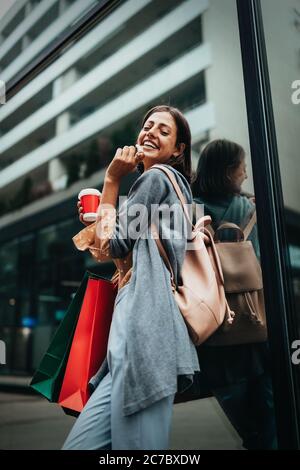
216,161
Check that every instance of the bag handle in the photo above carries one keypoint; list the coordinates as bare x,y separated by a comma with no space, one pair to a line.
244,234
229,225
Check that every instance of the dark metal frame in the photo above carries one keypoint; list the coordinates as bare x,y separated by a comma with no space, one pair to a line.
271,226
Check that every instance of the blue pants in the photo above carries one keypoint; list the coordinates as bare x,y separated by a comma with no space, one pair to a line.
101,424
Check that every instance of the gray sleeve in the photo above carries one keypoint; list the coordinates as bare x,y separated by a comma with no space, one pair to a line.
134,215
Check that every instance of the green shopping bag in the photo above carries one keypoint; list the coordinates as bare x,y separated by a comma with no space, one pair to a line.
50,373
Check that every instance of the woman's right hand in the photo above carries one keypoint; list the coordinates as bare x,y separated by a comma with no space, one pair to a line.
124,162
80,215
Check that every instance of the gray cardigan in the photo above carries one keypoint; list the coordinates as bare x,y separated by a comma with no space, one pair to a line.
160,356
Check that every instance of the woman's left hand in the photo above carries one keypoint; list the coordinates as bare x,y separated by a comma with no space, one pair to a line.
123,163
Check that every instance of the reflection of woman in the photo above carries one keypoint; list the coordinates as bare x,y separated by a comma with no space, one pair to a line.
150,355
238,375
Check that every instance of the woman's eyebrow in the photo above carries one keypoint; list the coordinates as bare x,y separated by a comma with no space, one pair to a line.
161,124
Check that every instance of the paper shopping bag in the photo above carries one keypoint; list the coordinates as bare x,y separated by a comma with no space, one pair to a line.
89,346
48,377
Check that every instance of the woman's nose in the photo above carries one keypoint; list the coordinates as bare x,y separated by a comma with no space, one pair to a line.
152,132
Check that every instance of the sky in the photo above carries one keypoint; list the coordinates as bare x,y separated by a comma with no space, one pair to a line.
5,5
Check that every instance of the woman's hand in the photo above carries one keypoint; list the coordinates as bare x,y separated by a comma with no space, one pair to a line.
123,163
80,215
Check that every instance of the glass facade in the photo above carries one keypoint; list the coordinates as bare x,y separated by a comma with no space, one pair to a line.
61,130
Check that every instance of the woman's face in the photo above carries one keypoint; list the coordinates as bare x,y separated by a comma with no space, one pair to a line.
158,139
238,176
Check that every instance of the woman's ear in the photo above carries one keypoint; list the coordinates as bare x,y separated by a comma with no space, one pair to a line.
180,149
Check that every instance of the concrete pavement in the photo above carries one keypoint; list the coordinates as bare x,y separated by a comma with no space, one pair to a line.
31,422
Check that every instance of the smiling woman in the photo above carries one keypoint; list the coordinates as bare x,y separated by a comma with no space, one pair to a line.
131,407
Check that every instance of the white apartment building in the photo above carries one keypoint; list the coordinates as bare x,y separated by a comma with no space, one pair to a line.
60,130
142,53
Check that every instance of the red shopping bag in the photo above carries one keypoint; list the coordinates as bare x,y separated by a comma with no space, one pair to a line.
89,344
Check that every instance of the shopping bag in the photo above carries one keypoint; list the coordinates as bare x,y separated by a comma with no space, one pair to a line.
48,377
89,346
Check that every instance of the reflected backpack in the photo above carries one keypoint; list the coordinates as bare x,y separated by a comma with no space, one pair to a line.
243,287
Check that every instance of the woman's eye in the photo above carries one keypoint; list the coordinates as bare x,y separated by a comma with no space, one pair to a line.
164,133
146,128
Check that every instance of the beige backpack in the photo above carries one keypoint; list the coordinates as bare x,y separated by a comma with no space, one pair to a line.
243,287
200,296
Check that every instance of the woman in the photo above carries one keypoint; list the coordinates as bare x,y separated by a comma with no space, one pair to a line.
150,355
238,375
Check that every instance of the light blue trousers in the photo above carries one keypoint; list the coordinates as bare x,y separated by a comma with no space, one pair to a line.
101,424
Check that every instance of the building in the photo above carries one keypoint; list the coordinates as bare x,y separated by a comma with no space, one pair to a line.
59,132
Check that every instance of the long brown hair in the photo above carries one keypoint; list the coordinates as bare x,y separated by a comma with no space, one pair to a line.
216,161
183,163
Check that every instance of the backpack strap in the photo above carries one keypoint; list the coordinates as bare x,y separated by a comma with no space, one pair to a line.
177,189
204,221
163,254
154,231
250,225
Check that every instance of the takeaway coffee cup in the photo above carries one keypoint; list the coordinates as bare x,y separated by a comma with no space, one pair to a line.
90,200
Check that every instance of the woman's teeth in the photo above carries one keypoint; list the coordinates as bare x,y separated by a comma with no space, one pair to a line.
150,145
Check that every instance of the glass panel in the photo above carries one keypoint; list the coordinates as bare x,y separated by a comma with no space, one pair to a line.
282,32
8,282
42,23
77,100
62,129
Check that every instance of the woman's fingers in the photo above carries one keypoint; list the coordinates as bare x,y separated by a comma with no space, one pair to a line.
128,152
139,156
131,151
125,151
